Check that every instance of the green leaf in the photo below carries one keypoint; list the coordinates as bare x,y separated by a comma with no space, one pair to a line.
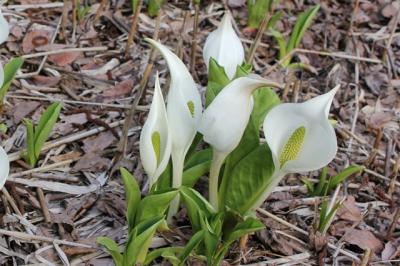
154,7
281,43
248,143
211,240
134,4
10,70
335,180
190,246
321,188
30,141
248,226
303,22
257,10
197,206
308,184
139,241
264,100
154,205
249,179
217,80
112,248
133,196
197,166
243,70
160,252
45,126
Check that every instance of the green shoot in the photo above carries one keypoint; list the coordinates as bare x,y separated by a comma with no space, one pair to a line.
10,70
303,22
325,185
37,136
81,12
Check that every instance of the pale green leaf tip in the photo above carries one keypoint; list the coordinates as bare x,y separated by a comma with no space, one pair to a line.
293,146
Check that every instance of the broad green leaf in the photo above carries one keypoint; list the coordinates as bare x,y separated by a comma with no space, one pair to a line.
211,239
45,126
243,70
264,100
190,246
154,205
249,179
257,10
10,70
217,80
154,254
112,248
197,166
248,143
139,241
335,180
197,206
248,226
154,6
133,196
303,22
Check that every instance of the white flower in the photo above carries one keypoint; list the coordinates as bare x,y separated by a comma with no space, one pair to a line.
184,113
1,75
4,28
4,167
155,138
225,47
300,137
224,121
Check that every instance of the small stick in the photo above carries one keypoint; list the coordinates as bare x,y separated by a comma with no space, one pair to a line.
392,226
258,38
132,32
366,257
74,18
64,20
194,39
392,183
29,238
100,9
43,205
66,50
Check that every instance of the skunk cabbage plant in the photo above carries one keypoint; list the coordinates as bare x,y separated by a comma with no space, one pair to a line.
155,138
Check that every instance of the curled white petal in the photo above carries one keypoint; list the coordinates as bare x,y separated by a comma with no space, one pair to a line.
4,28
224,121
157,122
319,145
225,47
4,167
183,102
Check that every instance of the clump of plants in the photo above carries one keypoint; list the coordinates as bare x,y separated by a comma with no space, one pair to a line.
242,169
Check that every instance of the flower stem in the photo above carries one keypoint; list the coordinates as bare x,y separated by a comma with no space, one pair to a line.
218,160
276,178
177,172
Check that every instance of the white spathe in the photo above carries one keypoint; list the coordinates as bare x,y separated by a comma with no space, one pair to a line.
182,93
4,167
4,28
319,145
225,119
1,75
156,123
184,112
225,47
